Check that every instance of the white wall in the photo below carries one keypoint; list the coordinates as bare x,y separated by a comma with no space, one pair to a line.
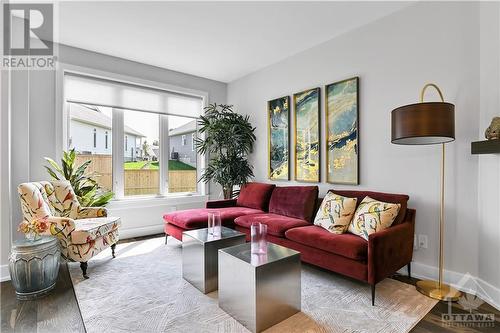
394,57
32,101
489,165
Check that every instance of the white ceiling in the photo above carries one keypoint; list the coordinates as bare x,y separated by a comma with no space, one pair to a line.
218,40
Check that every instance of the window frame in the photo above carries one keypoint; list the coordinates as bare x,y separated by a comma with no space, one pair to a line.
63,121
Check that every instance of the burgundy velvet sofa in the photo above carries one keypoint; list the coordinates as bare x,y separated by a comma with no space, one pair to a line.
370,261
253,199
289,215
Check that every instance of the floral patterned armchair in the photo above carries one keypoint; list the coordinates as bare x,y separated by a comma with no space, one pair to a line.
83,232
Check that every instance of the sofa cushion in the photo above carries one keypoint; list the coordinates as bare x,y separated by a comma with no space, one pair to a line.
90,229
372,216
198,218
401,199
335,213
346,245
255,195
276,224
294,201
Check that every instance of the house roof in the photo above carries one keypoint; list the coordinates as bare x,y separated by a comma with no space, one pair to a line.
91,116
186,128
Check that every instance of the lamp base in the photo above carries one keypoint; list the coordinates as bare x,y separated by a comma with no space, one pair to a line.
431,289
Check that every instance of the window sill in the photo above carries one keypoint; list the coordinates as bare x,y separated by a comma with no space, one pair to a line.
170,199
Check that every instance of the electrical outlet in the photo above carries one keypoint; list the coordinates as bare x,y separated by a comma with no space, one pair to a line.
422,241
415,243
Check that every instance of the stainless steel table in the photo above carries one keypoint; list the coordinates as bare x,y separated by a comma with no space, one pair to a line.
199,255
259,291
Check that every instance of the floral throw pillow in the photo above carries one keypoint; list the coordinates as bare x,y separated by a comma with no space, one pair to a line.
372,216
335,213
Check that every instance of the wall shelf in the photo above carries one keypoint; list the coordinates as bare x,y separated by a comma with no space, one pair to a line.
486,147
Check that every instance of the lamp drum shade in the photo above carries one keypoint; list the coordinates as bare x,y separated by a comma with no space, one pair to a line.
423,123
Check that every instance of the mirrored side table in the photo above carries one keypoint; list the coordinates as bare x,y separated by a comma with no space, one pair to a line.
34,266
200,256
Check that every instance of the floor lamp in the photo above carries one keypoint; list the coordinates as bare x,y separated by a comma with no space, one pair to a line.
428,123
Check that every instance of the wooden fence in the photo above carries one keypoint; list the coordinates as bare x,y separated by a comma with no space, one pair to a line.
138,182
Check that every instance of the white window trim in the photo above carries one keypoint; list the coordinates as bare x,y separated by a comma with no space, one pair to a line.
62,127
183,139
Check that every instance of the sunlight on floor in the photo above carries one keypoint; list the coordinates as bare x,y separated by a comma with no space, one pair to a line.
125,250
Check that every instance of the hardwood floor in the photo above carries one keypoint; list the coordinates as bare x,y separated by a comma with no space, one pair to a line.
56,312
59,311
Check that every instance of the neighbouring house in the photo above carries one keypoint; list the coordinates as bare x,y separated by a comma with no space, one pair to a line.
90,133
182,145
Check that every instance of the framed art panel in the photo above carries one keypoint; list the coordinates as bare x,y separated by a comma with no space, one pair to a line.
278,116
307,135
342,148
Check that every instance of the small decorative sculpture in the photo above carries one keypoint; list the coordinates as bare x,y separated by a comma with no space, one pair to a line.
493,131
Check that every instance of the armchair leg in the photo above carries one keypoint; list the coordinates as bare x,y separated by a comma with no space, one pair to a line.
373,294
166,239
113,250
409,270
83,266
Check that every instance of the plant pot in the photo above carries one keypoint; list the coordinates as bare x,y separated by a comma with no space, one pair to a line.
228,192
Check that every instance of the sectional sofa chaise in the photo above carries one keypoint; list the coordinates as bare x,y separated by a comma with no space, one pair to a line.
289,213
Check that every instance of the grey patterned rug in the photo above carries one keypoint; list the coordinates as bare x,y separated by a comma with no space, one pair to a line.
142,290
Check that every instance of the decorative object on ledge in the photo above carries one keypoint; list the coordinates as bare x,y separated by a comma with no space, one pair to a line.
424,124
491,146
307,135
342,158
278,115
34,266
493,131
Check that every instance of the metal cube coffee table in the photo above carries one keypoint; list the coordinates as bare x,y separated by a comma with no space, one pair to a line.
259,291
200,257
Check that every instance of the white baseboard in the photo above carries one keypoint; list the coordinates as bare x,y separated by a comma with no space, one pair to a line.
141,231
464,282
4,273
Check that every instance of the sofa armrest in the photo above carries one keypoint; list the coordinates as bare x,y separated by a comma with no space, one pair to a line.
61,227
88,212
221,203
391,249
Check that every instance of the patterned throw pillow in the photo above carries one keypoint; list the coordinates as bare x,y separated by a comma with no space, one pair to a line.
372,216
335,213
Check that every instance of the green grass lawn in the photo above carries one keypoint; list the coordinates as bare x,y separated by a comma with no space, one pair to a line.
172,165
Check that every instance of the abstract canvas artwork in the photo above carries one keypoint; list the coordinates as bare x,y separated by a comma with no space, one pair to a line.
307,135
342,160
278,111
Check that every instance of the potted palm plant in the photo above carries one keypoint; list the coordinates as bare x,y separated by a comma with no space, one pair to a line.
229,138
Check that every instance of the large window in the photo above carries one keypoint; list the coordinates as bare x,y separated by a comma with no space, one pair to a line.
142,139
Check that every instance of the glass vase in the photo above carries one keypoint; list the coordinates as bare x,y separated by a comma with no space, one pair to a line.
258,242
32,236
214,224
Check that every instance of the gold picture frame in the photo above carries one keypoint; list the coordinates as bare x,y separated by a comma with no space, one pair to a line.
278,138
307,145
342,131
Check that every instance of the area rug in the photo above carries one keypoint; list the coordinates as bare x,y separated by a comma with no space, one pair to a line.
142,290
